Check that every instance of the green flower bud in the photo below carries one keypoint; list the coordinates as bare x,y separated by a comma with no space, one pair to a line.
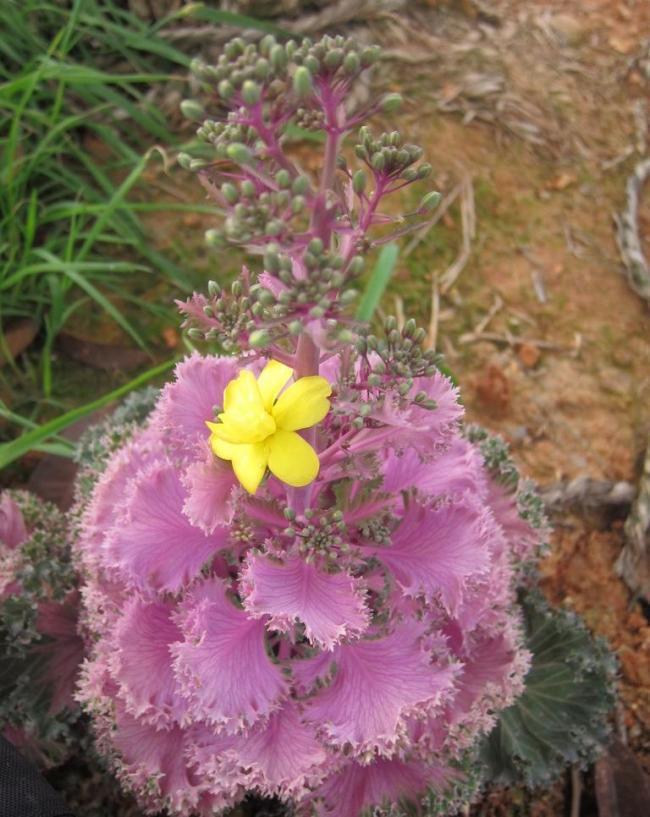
410,174
234,48
274,227
312,65
184,160
239,153
378,161
226,89
359,181
283,178
370,55
295,327
300,185
409,328
360,152
334,58
191,109
351,63
317,312
251,92
213,238
247,189
298,204
374,380
195,334
214,290
259,339
391,103
290,47
278,58
197,66
266,43
302,82
262,69
316,246
230,192
430,201
349,296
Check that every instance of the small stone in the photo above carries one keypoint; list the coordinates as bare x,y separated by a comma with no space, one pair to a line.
529,355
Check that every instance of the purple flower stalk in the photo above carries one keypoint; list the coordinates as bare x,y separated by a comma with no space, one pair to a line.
313,596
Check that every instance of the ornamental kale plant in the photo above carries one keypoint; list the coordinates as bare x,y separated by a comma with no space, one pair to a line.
40,650
299,576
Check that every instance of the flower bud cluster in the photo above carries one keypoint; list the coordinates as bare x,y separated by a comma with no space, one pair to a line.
319,536
389,157
398,356
276,209
225,317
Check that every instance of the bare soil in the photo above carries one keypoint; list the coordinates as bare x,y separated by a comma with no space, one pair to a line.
543,106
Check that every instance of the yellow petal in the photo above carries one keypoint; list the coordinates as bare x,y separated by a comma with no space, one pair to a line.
245,420
292,459
222,448
242,391
272,380
249,463
303,404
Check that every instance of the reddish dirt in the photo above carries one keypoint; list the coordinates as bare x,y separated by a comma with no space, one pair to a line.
562,369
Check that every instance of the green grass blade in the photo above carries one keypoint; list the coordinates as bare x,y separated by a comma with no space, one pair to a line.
11,451
377,282
199,11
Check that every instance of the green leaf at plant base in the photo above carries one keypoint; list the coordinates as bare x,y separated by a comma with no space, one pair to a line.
561,717
37,436
378,281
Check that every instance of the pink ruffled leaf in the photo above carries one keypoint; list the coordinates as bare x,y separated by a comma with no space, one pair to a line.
153,765
456,471
280,755
63,649
191,399
13,531
154,543
330,605
356,788
143,662
435,550
222,667
209,485
377,684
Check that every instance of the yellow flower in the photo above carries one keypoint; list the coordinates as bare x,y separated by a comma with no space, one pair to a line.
258,427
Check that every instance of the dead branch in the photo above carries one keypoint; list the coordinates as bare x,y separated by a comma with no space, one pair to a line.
468,222
633,565
636,265
584,494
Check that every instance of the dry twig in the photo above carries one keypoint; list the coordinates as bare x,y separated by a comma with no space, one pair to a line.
468,222
636,265
633,565
585,495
